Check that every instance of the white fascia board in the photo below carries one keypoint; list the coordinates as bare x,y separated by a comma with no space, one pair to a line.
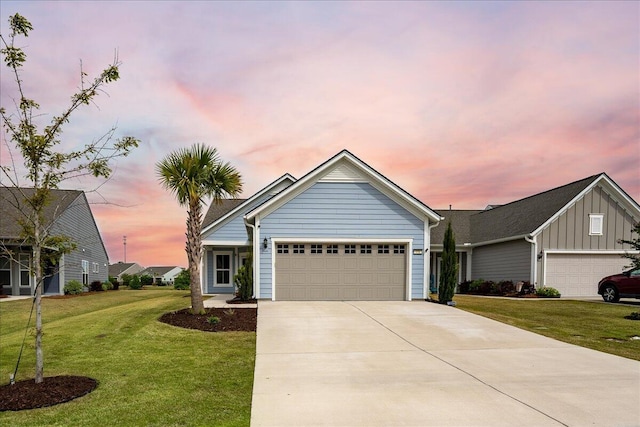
590,251
621,194
226,243
491,242
312,177
250,200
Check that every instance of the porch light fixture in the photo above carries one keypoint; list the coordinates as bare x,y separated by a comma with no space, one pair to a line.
540,255
265,243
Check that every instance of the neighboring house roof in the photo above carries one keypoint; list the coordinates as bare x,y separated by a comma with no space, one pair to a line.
352,165
120,267
13,207
460,223
530,215
219,212
158,270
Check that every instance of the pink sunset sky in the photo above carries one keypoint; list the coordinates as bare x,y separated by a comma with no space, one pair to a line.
461,103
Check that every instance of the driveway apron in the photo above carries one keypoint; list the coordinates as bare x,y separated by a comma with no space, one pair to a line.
422,364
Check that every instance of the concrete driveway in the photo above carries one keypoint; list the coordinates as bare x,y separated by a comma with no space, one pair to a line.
423,364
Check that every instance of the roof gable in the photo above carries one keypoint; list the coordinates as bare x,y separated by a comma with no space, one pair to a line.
460,224
345,167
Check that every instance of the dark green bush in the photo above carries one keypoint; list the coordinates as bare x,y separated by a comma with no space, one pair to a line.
73,287
107,286
96,286
113,279
244,280
146,280
214,320
182,280
134,283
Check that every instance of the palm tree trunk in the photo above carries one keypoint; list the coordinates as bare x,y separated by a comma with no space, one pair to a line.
194,254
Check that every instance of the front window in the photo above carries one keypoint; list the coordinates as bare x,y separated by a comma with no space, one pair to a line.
85,272
223,269
5,272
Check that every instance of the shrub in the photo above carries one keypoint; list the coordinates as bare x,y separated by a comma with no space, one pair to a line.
107,286
113,279
463,288
126,278
134,283
115,285
73,287
182,280
96,286
506,287
548,292
146,280
244,280
214,320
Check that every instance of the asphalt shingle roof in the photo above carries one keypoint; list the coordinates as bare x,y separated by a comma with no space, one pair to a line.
13,207
460,223
218,210
525,215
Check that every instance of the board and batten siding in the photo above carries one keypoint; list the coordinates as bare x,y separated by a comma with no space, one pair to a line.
502,261
570,230
77,223
342,210
233,229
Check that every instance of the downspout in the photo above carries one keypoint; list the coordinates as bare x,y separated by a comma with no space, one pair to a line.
534,260
255,256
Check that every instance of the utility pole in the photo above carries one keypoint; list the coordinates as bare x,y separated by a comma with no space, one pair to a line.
124,243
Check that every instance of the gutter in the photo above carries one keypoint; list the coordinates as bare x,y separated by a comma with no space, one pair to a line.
255,256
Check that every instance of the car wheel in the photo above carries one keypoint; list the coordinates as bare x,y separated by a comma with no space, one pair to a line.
610,293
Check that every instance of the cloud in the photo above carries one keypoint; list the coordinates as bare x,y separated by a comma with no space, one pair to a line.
463,103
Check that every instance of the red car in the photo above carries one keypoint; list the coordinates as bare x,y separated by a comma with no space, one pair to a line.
624,285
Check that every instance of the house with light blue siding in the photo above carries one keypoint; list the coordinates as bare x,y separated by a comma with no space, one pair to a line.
67,214
341,232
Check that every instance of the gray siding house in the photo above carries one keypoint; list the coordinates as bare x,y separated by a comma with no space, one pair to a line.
566,237
341,232
67,214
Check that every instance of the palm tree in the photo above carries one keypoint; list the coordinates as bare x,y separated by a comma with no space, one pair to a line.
192,175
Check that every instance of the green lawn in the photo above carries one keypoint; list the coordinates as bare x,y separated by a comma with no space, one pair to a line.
588,324
149,373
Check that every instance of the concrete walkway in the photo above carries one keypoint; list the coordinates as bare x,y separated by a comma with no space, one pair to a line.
423,364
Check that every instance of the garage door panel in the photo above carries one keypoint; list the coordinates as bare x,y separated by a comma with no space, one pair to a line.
340,276
577,275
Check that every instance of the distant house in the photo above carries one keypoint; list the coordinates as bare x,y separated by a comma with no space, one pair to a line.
566,237
118,269
345,232
162,274
69,214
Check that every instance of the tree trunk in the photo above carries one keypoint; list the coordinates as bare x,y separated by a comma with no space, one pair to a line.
37,268
194,254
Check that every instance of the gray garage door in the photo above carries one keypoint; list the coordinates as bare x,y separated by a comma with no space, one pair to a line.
339,272
578,274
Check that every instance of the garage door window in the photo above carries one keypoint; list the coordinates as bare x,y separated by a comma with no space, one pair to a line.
316,249
283,249
349,249
365,249
398,249
383,249
332,249
298,249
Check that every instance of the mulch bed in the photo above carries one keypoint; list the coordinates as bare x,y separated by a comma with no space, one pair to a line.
230,319
52,391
